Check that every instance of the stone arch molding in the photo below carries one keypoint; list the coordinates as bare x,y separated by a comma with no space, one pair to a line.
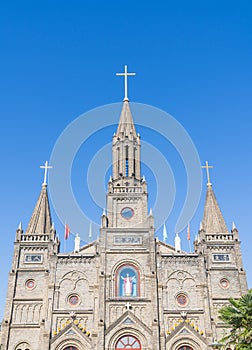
71,341
74,281
125,262
23,346
181,281
133,263
74,277
181,277
186,341
111,343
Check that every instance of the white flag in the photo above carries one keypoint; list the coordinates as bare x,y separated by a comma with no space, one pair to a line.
164,233
90,231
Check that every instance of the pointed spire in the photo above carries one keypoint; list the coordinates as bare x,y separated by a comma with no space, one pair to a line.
20,226
126,123
164,233
213,221
150,213
40,221
177,243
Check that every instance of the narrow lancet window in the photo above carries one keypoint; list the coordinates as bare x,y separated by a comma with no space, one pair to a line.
118,162
127,161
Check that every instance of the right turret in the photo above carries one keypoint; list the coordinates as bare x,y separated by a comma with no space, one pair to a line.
225,276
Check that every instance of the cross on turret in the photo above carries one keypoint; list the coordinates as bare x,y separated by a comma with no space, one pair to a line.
126,75
207,167
46,167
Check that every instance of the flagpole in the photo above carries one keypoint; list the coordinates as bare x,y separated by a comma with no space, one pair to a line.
190,248
189,236
65,238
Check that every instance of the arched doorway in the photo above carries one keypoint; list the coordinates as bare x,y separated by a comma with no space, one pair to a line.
185,347
128,342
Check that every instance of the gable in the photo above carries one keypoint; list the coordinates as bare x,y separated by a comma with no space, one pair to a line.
74,335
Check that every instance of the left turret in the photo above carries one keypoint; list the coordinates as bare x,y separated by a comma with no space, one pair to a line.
29,300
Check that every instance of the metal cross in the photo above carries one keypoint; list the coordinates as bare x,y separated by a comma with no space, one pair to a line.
46,167
126,75
207,167
128,305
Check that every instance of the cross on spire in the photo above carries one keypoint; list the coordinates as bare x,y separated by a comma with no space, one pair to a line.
207,167
46,167
126,75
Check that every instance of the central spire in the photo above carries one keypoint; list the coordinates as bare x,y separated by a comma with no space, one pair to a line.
126,144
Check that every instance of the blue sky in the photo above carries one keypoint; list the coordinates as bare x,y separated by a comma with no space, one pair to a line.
59,59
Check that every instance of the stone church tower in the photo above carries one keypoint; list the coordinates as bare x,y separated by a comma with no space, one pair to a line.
126,290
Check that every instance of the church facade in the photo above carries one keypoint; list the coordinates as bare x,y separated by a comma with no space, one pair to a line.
127,289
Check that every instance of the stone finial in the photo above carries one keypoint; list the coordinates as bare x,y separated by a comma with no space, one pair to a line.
72,315
177,243
77,243
183,315
165,235
234,228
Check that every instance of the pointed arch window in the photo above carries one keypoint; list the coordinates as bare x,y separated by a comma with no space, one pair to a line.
118,161
128,342
127,281
134,162
126,161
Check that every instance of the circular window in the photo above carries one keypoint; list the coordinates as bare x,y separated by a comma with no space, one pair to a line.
182,299
30,284
70,348
185,347
127,213
224,283
73,300
128,342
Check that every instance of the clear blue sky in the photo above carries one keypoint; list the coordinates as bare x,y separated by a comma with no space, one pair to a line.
58,60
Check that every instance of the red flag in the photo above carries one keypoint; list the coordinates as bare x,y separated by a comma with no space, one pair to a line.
188,232
67,231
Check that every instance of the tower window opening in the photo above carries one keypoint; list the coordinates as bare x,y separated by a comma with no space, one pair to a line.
127,168
134,162
118,161
127,161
